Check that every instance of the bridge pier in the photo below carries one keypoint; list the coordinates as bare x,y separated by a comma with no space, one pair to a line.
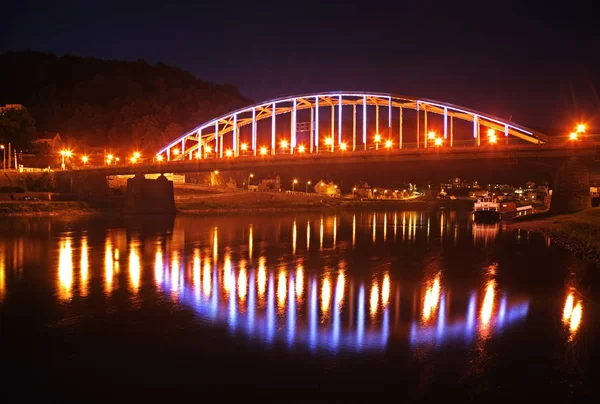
146,196
571,191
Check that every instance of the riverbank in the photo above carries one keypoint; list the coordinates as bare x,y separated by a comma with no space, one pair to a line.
234,203
256,202
578,232
44,208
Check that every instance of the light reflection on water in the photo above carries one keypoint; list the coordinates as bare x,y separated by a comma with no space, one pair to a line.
291,296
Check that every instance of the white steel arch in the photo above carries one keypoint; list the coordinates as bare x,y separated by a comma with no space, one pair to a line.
208,138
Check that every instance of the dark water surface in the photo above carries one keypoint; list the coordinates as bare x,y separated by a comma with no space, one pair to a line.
397,306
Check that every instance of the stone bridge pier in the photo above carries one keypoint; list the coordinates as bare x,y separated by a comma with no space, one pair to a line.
571,190
149,196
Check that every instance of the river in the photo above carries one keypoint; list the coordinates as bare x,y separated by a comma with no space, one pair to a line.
307,306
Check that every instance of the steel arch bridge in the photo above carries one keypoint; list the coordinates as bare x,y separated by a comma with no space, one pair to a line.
209,140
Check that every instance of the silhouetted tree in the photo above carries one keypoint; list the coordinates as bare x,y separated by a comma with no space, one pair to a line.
17,126
122,105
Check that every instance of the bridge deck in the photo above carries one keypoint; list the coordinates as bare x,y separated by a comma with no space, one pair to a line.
549,150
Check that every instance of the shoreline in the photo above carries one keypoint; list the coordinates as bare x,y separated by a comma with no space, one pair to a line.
46,208
194,207
199,208
577,232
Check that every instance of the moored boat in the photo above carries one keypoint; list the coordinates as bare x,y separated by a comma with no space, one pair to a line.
486,210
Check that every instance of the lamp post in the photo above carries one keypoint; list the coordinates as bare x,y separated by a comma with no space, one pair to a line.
580,129
377,140
3,156
307,184
250,176
65,153
294,184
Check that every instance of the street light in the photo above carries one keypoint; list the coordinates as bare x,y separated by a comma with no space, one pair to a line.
307,184
284,145
328,141
294,184
65,153
377,140
431,135
249,177
228,153
137,155
159,158
492,138
84,159
244,147
301,148
176,152
263,151
581,128
388,144
343,146
438,141
3,156
109,159
573,136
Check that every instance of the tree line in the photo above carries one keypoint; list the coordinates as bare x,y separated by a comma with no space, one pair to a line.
105,103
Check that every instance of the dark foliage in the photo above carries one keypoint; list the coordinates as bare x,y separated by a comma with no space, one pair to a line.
111,103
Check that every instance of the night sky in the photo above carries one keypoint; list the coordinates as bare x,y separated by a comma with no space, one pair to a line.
536,63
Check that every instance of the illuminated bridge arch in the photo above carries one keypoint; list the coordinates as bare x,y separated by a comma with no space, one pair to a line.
396,130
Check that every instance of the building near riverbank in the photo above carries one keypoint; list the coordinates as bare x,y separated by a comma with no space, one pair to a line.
327,188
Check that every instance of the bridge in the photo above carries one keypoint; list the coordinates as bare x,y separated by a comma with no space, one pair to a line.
351,128
378,121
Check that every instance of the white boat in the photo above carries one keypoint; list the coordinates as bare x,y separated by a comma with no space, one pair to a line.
486,210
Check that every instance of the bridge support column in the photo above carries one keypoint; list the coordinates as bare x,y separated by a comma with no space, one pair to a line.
354,127
400,131
332,127
377,119
451,131
317,123
425,126
476,129
340,120
273,112
293,128
571,191
364,122
234,136
217,153
254,147
445,123
145,196
418,121
390,119
200,151
311,130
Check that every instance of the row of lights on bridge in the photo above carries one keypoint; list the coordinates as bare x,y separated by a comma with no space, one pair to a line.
437,141
66,154
284,145
578,131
